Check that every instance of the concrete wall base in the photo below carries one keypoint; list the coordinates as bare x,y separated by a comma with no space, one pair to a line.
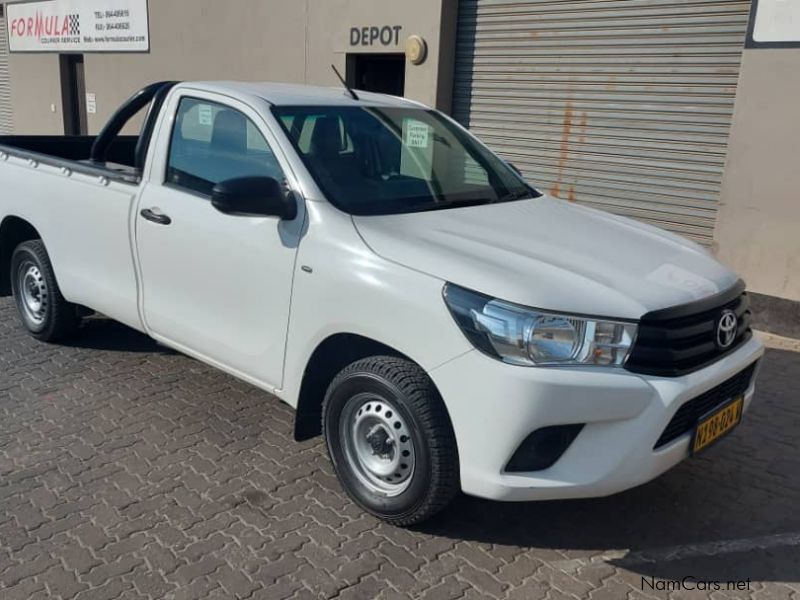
775,315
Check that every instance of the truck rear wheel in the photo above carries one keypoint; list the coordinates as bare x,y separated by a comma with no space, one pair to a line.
390,440
42,308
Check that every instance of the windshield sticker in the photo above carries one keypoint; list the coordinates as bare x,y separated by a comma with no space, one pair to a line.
417,133
205,115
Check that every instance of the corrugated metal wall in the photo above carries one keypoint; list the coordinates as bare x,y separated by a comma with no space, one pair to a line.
621,104
5,84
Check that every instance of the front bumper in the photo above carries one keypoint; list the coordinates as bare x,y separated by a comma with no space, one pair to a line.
494,406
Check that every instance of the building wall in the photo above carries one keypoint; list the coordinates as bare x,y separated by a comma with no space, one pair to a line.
267,40
329,25
758,227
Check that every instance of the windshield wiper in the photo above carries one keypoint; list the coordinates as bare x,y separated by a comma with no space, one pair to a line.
518,195
450,203
443,203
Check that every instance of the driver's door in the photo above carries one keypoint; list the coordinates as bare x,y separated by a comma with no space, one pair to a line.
214,285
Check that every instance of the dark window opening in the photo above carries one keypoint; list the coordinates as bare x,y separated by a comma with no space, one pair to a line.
381,73
73,94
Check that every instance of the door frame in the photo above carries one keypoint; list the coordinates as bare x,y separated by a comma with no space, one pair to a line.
73,94
155,174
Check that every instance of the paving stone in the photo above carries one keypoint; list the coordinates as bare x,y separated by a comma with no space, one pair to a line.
160,558
482,581
130,471
62,583
106,571
519,570
202,587
105,591
24,590
235,582
152,584
194,570
28,569
449,588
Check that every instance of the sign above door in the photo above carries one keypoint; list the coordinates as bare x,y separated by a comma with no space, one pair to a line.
78,26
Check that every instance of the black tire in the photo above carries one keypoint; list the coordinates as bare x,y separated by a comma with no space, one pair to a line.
58,319
401,384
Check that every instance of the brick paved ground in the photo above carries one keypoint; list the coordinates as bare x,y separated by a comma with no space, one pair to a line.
128,471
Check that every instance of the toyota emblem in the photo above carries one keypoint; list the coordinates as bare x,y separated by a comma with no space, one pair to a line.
726,329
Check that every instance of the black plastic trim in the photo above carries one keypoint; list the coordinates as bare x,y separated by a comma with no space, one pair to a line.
688,414
680,340
698,306
122,115
102,146
678,372
146,135
541,449
98,170
153,217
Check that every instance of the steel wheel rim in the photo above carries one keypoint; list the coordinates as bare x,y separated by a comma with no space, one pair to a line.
378,445
34,296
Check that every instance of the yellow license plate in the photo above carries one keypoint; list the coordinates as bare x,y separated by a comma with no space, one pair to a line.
712,427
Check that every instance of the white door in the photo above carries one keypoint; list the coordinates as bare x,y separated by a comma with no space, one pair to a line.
215,285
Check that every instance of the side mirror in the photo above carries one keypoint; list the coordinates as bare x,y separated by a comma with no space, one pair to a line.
253,196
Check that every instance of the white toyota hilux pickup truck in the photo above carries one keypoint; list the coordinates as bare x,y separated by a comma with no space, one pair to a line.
441,322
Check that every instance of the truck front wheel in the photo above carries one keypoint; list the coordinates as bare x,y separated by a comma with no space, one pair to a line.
42,308
390,439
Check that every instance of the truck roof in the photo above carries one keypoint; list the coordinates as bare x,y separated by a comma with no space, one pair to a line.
289,94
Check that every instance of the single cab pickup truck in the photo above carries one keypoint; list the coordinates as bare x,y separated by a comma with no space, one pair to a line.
445,325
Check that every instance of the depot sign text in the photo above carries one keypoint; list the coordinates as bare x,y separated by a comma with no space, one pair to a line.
374,35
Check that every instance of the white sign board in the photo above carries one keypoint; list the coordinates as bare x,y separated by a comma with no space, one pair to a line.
416,133
91,103
78,26
205,115
777,21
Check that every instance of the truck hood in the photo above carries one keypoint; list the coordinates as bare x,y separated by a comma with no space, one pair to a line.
552,255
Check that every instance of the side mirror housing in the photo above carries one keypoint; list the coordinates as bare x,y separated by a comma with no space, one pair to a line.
253,196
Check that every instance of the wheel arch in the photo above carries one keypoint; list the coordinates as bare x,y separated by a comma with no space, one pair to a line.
13,231
330,356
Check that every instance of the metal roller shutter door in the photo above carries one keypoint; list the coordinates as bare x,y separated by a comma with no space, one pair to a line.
5,84
624,105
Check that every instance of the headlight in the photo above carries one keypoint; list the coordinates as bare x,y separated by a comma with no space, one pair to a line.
526,336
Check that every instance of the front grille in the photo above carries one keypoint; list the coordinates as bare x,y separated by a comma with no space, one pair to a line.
682,339
688,414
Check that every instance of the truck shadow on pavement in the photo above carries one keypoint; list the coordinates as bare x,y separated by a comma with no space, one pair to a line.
730,513
101,333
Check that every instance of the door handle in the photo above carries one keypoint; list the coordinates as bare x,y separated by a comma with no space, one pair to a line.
156,216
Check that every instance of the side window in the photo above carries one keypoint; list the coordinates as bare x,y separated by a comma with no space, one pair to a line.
212,143
474,174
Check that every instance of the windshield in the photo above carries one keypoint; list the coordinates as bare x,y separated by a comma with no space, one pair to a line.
377,160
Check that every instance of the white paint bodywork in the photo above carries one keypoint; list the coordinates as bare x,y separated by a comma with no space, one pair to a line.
256,296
